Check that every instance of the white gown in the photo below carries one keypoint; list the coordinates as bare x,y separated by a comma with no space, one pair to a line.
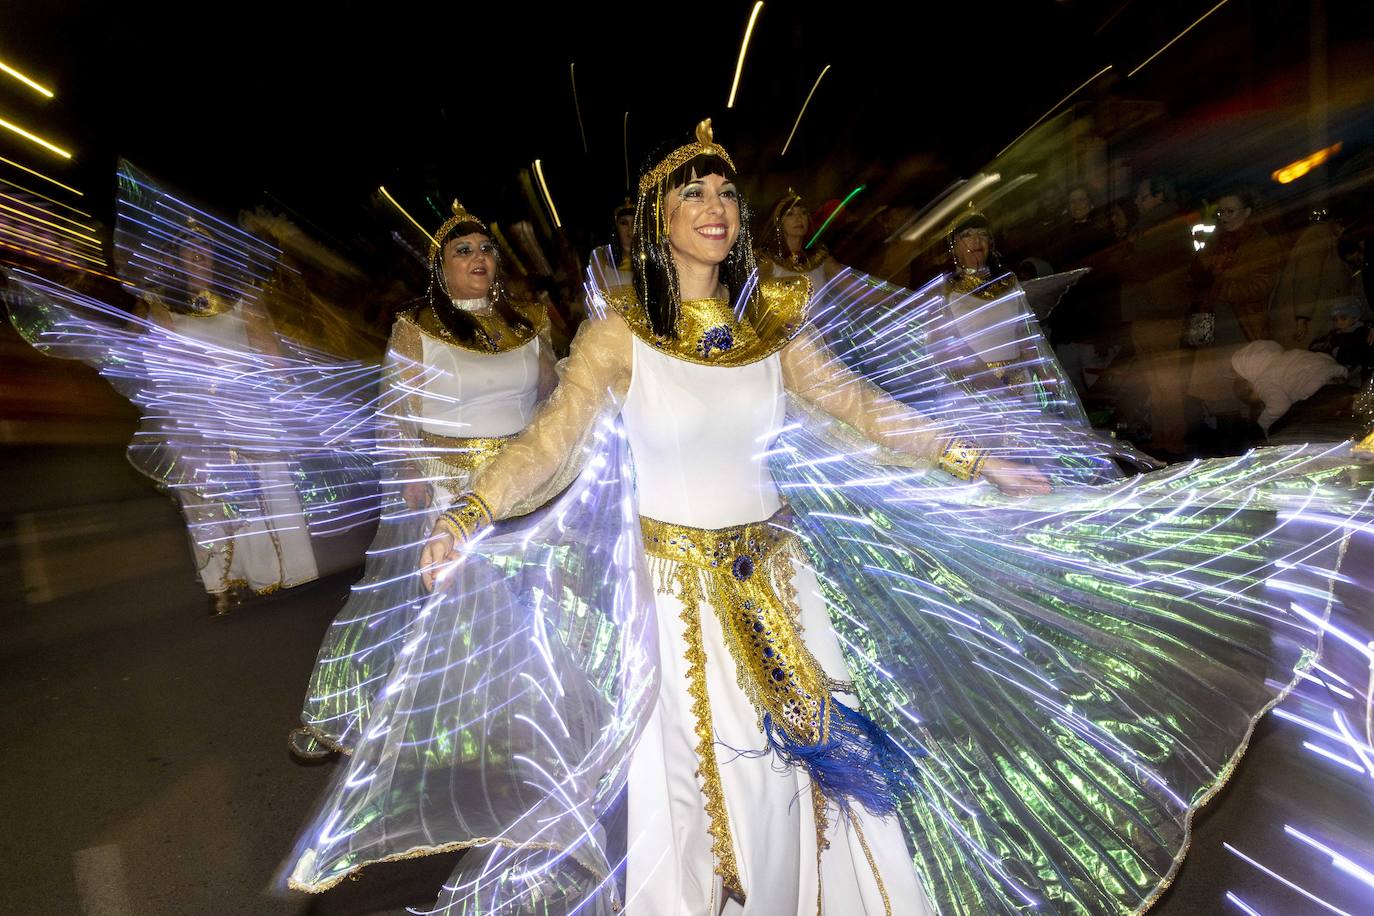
697,434
445,403
267,553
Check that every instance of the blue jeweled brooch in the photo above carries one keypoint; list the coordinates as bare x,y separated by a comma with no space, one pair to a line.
719,338
743,568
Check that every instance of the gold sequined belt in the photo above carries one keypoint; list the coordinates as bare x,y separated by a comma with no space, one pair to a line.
744,573
455,456
738,550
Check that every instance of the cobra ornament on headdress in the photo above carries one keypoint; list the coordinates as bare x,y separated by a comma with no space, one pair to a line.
436,242
705,145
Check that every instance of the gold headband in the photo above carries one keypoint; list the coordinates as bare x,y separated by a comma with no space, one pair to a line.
705,145
968,214
460,215
195,227
789,200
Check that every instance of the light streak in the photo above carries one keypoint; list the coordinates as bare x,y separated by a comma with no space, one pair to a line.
1282,880
32,84
51,200
387,195
954,202
577,106
1353,741
1244,907
25,168
38,254
1171,41
834,213
1344,863
743,49
548,198
1053,108
51,225
34,138
1329,755
49,243
1295,170
797,122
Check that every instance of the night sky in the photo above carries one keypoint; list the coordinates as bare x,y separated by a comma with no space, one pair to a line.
235,102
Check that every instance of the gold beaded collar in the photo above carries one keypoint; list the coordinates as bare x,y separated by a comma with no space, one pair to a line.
499,336
801,263
964,284
708,332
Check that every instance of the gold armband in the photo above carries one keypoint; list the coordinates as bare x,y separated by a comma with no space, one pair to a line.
468,515
963,460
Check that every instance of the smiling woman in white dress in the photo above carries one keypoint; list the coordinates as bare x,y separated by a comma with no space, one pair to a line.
699,390
809,702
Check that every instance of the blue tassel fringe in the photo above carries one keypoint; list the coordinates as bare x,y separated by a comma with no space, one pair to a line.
859,763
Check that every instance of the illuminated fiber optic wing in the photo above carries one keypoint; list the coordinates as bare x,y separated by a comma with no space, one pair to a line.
974,359
218,414
505,724
1083,669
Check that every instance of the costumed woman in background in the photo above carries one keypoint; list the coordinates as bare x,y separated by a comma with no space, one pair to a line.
463,375
810,702
258,439
990,315
782,249
967,346
232,549
610,264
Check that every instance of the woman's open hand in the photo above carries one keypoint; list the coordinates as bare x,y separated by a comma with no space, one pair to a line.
439,550
1015,478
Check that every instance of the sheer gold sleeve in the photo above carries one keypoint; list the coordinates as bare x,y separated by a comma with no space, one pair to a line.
816,375
548,361
402,379
538,463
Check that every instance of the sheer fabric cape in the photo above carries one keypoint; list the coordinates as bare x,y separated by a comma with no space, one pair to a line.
212,412
1074,675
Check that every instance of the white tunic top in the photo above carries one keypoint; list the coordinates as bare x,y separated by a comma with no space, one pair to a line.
699,434
469,394
228,329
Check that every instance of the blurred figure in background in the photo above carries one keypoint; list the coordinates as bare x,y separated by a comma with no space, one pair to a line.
1085,233
1086,319
1353,246
244,516
782,244
1236,273
1121,218
1154,302
1314,278
611,263
1350,340
1242,390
